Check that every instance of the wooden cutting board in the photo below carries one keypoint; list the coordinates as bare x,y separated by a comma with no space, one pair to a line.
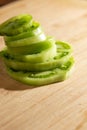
60,106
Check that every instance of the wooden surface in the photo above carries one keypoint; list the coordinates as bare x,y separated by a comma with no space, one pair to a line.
3,2
60,106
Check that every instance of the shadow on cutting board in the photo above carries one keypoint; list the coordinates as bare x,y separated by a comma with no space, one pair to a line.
8,83
4,2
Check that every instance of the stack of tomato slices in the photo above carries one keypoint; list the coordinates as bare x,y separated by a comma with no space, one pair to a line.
32,57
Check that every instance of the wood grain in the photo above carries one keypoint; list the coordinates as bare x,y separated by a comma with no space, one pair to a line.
3,2
59,106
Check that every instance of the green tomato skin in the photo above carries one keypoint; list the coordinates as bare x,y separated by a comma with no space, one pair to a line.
16,25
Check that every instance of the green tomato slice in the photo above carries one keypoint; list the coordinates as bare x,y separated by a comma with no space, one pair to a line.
33,31
46,54
50,53
43,78
59,59
23,51
35,67
16,25
26,41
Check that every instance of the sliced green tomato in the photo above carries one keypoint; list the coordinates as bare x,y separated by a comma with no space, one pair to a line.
33,31
31,57
24,64
16,25
47,54
43,78
31,49
26,41
35,67
63,46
